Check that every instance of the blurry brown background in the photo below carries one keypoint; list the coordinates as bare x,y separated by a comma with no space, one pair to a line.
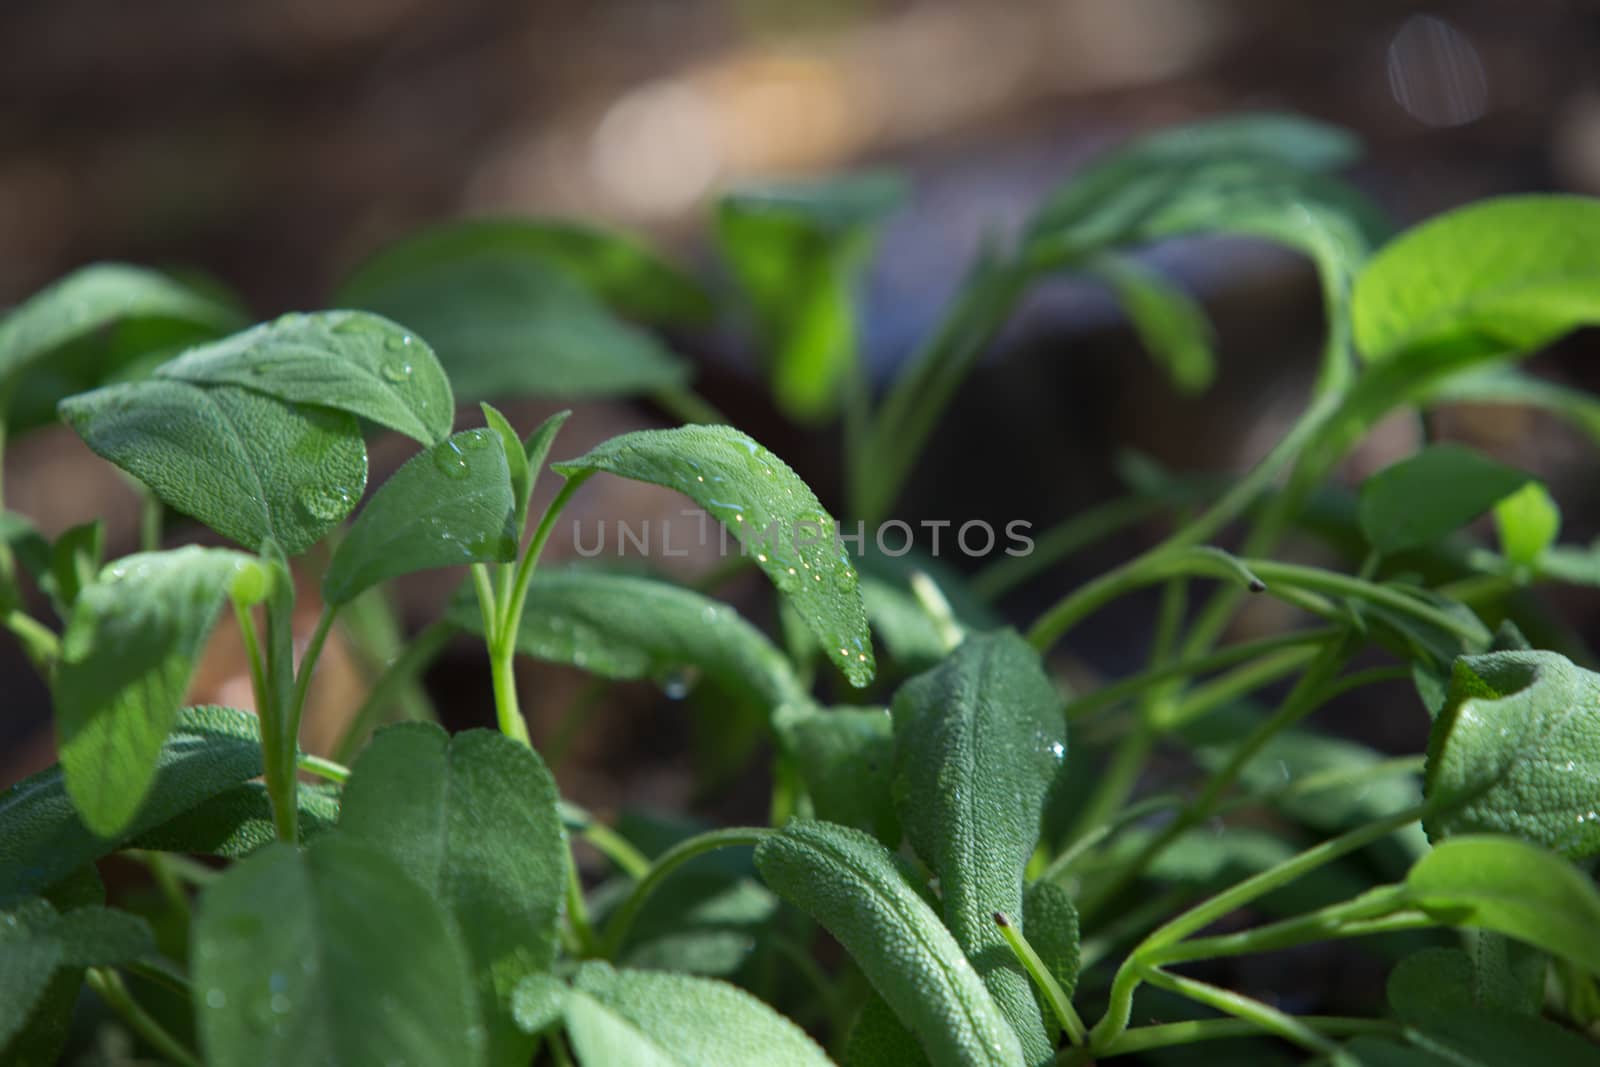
271,144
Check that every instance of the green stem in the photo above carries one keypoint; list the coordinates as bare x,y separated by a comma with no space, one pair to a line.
618,849
150,520
1062,864
323,768
38,640
411,662
1319,580
1260,1015
1379,911
108,984
578,913
664,865
1236,683
308,664
1167,1035
1054,995
1056,544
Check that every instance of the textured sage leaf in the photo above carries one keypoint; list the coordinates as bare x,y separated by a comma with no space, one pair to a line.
329,955
619,270
1528,522
978,742
878,1040
506,323
1171,324
1517,749
210,751
1420,499
448,505
1435,982
517,469
40,1040
37,942
797,251
846,758
1501,884
1496,278
774,515
126,659
472,819
93,298
1051,919
235,822
347,360
625,626
75,560
246,465
627,1016
852,885
538,1002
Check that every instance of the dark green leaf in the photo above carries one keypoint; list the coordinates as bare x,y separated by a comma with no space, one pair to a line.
330,955
1496,278
126,659
49,1026
75,559
649,1017
1517,749
797,251
1171,324
1528,522
1436,983
770,510
846,757
622,626
619,270
878,1040
505,323
472,818
237,821
517,468
346,360
210,751
851,884
1513,888
978,742
1419,500
448,505
89,300
246,465
1051,919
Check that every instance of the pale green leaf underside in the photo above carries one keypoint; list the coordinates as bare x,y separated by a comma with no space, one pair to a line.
774,515
248,466
448,505
331,955
347,360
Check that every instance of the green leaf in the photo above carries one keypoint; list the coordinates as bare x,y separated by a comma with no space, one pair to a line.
36,942
770,510
623,626
210,751
1517,749
1513,888
1528,522
797,251
472,819
1051,919
237,821
451,504
913,636
346,360
618,269
1171,324
846,757
978,742
1436,983
638,1017
75,559
506,323
1420,499
538,1002
330,955
126,659
40,1041
851,884
517,468
248,466
878,1040
87,301
1496,278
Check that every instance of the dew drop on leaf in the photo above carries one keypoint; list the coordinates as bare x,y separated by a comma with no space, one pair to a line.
450,460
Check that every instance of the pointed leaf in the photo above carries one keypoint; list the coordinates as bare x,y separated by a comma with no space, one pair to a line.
449,505
851,884
1496,278
1171,324
247,466
1051,919
126,660
346,360
622,626
978,742
516,463
1517,749
1513,888
472,819
625,1016
1419,500
770,510
210,751
1528,522
331,955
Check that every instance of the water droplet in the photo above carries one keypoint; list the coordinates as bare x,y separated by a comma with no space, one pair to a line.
398,342
710,615
280,1004
396,371
677,683
216,998
328,503
450,460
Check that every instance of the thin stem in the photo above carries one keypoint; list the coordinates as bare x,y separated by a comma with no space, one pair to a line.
150,521
108,984
411,661
1253,1011
308,663
166,880
665,864
508,712
1319,580
1062,864
1056,544
578,913
1166,1035
512,616
323,768
1054,995
1236,683
618,849
1379,911
38,640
